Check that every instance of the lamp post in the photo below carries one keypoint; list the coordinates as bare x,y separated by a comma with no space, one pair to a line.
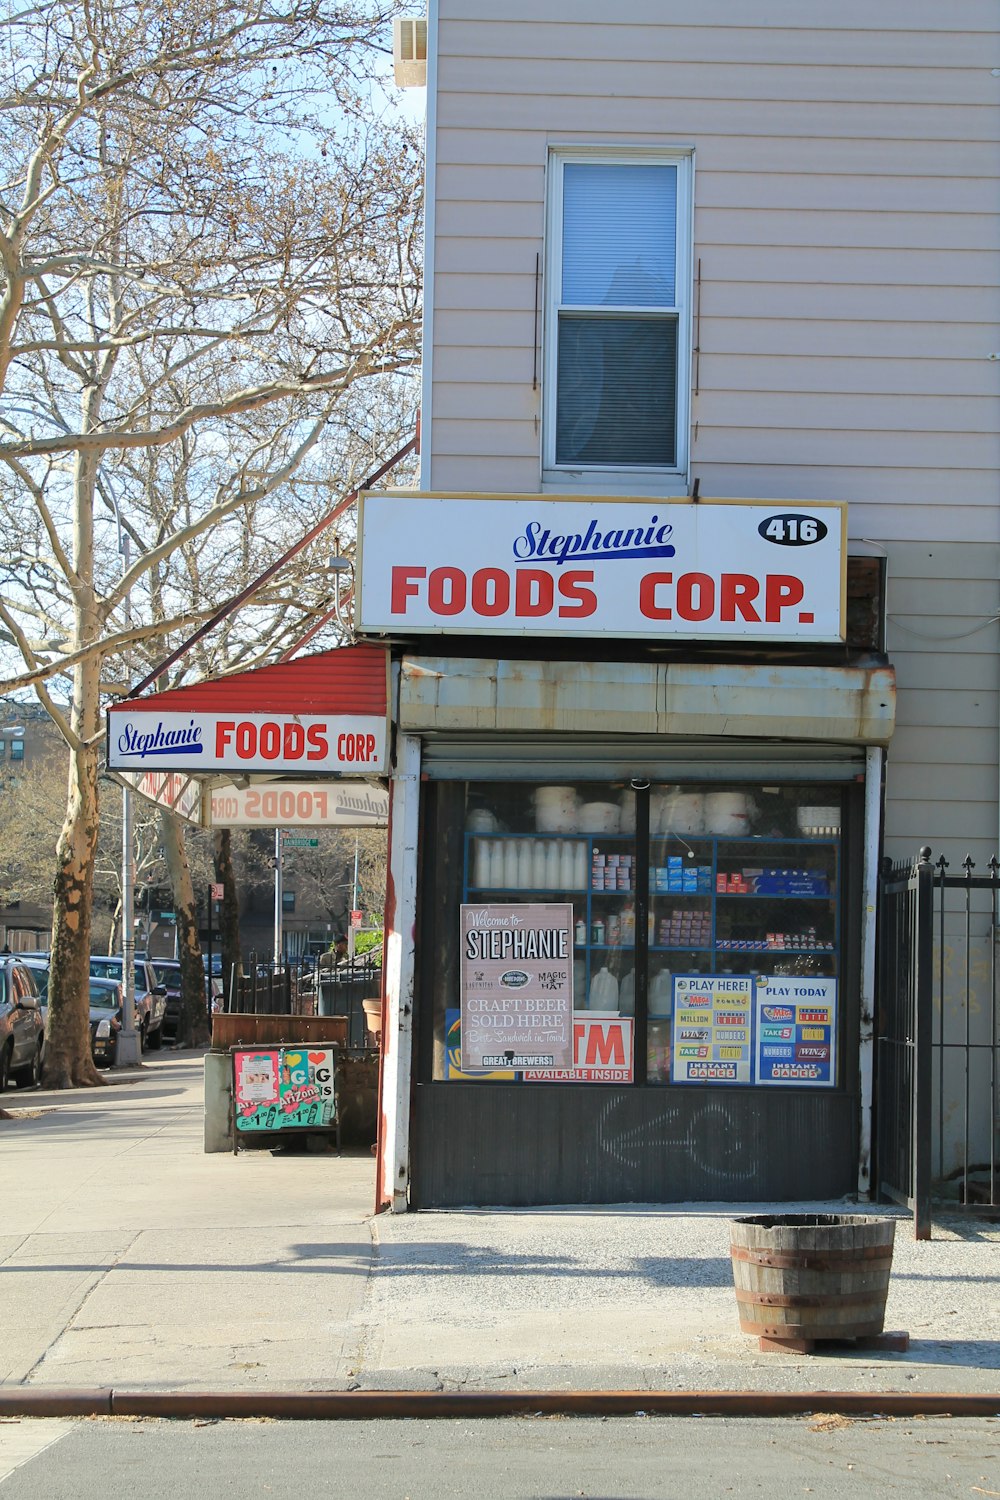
279,941
128,1052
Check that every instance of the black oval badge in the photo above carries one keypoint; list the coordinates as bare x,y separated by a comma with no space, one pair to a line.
791,529
514,979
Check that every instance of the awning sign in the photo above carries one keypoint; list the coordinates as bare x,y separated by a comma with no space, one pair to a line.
246,742
630,567
301,804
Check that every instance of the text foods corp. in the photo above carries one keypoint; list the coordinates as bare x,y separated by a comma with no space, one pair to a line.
612,567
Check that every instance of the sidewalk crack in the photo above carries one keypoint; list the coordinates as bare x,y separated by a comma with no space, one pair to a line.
71,1320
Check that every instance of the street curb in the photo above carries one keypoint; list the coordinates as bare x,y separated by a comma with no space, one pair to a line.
394,1405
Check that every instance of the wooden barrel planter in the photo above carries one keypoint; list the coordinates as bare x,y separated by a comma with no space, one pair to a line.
801,1278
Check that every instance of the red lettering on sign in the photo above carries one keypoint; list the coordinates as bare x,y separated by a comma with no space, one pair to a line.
446,591
781,592
583,601
270,741
490,591
319,744
402,587
246,740
294,742
695,596
647,596
223,734
739,590
534,593
605,1047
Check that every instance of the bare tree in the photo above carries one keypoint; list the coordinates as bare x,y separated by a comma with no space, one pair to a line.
205,214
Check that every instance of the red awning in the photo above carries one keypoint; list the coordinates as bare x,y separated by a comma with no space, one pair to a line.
351,680
319,716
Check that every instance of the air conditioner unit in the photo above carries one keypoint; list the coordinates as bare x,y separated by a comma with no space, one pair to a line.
409,51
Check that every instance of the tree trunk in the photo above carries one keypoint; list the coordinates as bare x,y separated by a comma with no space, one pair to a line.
195,1027
232,964
68,1059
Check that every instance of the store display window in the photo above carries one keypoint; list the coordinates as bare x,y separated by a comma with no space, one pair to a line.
636,933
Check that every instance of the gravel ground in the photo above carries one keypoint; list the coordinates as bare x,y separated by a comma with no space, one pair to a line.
642,1298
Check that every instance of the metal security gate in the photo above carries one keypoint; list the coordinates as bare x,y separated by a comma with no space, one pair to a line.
903,979
938,1097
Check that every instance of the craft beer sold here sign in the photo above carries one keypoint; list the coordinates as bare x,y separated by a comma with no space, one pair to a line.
519,565
517,986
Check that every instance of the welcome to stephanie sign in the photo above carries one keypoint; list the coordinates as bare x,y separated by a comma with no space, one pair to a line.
626,567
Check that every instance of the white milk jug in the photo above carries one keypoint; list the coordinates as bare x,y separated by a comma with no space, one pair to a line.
603,991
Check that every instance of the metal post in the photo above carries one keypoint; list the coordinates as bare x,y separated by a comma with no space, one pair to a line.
208,981
351,936
128,1052
278,936
922,1020
866,1040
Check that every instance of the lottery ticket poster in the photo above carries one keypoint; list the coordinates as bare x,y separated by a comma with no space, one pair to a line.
712,1028
796,1031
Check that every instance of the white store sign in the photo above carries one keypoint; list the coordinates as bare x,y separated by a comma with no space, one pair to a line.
205,742
534,565
301,804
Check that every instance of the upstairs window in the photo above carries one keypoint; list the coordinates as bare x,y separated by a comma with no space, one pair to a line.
617,337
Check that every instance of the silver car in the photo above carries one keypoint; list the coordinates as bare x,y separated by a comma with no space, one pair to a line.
22,1029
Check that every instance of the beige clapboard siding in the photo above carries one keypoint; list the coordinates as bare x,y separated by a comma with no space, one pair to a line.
954,827
845,221
911,784
833,15
685,118
595,77
748,152
474,475
826,449
885,413
713,43
845,377
860,342
928,498
943,783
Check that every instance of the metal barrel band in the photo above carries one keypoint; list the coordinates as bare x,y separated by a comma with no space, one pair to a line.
875,1259
772,1299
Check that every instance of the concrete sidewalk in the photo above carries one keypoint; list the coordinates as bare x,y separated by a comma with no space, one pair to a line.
131,1259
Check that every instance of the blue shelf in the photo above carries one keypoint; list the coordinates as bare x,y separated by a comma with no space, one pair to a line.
717,851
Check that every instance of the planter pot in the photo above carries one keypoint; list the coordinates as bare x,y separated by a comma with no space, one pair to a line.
804,1277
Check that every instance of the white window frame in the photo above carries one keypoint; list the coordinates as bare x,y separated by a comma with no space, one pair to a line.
607,479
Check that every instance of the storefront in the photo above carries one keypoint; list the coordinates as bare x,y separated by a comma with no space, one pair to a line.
638,866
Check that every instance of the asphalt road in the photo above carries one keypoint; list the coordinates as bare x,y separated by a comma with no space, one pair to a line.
639,1458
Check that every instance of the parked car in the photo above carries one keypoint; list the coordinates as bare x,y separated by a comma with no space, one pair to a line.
169,971
22,1026
150,994
107,999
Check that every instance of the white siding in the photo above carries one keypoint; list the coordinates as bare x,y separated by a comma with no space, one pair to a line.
847,228
846,225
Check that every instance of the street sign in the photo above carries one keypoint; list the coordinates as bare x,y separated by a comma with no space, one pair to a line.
298,841
357,917
218,891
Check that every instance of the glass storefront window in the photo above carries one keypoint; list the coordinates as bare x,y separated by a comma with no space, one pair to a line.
684,934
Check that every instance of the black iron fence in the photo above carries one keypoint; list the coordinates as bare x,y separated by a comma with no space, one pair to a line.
938,1098
308,986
